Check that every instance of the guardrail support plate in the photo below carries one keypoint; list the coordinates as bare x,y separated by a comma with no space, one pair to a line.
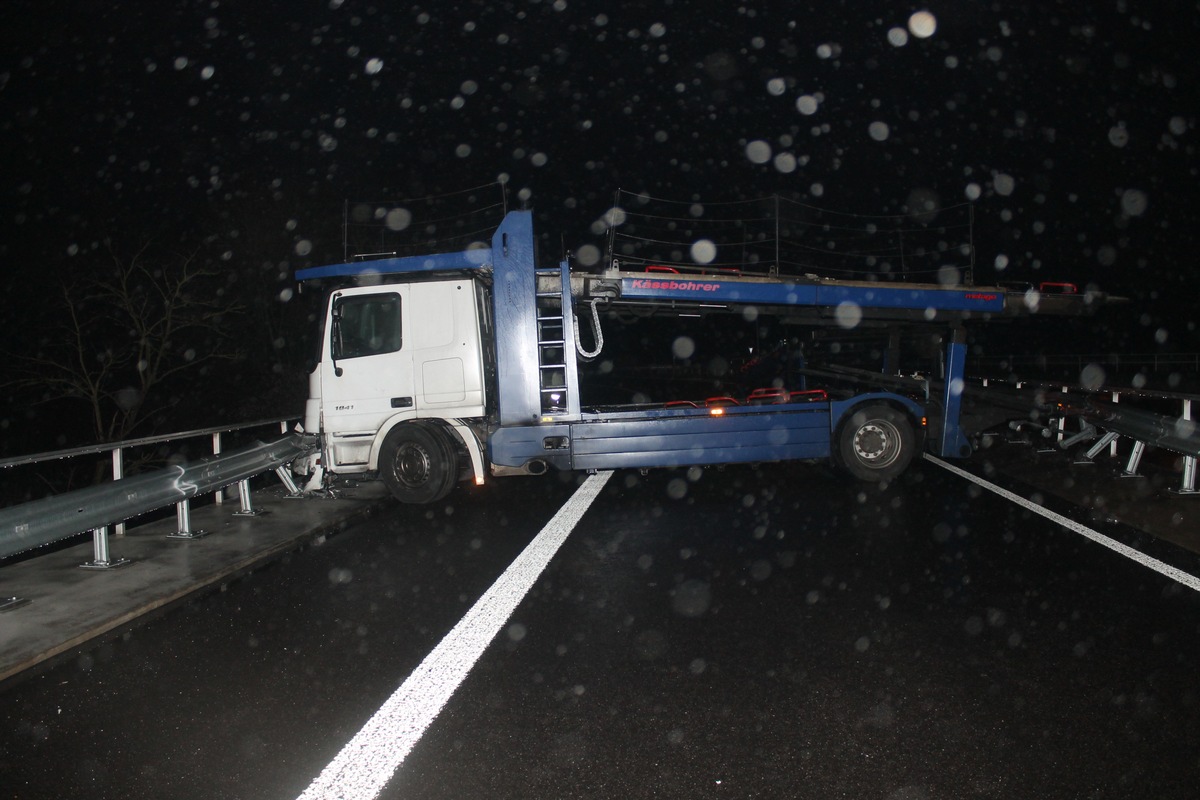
100,556
183,527
247,509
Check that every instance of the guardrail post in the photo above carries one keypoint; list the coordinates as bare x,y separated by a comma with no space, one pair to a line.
183,522
1112,448
247,509
1062,421
289,482
1107,440
1087,432
1187,485
1135,460
100,556
118,469
219,494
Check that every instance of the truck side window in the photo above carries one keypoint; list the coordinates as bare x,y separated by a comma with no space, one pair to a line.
367,325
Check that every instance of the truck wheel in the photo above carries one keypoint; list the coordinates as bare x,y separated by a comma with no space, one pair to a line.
875,443
417,464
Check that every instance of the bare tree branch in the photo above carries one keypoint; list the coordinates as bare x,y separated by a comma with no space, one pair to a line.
121,335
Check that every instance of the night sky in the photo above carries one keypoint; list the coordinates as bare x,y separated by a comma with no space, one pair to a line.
242,128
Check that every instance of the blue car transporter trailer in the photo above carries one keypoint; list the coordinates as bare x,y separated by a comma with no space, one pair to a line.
535,417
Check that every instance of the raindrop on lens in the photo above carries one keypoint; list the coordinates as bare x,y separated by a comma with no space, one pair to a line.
922,24
1092,377
692,598
703,251
758,151
683,347
848,315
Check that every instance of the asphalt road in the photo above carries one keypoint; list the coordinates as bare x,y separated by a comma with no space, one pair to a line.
773,632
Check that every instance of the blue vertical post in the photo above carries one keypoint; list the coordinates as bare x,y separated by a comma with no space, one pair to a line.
514,301
953,442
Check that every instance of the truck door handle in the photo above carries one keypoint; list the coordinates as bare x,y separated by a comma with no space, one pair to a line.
401,402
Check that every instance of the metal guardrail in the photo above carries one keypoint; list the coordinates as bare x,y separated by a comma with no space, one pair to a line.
1179,435
1146,429
1104,410
117,450
50,519
129,444
42,522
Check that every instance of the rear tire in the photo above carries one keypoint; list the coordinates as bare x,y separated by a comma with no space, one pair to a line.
417,463
875,443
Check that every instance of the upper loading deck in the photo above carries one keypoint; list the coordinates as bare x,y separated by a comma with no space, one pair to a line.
511,260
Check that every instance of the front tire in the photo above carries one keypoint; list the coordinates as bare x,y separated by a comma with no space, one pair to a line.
417,463
875,443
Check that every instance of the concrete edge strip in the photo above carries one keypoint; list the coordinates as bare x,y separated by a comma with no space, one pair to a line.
1178,575
246,564
368,761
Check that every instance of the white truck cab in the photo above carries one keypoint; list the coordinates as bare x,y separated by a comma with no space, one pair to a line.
391,354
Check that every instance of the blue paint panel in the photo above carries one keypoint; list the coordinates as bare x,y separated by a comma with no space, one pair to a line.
475,258
516,445
716,290
667,438
899,296
514,304
700,439
719,290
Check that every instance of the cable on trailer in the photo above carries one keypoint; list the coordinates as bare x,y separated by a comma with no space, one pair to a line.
597,334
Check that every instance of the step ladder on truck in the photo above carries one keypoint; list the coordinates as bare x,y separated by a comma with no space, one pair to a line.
464,365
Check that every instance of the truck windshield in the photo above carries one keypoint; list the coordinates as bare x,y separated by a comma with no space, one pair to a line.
366,325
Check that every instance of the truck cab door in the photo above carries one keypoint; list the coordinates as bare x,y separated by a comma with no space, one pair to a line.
366,368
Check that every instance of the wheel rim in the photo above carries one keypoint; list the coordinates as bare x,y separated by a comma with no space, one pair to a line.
413,465
877,444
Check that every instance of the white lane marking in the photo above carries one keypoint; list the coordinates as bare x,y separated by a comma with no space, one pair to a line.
1187,579
368,761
